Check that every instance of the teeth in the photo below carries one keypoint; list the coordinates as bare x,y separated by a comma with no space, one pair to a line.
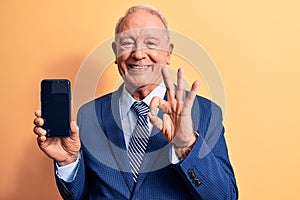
140,66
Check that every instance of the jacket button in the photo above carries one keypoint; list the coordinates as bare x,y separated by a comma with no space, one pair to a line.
191,173
197,182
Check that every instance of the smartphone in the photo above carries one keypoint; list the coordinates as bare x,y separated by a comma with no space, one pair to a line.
56,107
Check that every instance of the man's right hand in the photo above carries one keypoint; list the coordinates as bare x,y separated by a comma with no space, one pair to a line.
63,150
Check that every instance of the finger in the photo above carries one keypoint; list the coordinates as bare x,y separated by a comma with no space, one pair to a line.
41,139
192,94
155,120
180,92
39,131
38,122
74,128
169,83
158,103
167,127
38,113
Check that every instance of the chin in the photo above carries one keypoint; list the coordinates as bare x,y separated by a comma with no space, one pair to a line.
139,84
141,81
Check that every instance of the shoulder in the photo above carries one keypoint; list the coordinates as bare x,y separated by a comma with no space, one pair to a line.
206,105
96,102
205,113
103,99
106,100
92,110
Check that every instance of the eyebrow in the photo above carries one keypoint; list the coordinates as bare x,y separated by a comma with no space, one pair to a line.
147,37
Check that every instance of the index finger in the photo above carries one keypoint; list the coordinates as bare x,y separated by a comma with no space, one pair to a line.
169,83
38,113
38,121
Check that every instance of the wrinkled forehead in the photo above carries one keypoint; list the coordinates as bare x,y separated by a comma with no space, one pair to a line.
144,33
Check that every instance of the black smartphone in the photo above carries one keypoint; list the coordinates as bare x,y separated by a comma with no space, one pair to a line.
56,107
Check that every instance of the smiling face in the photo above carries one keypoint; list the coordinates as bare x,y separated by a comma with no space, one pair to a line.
142,49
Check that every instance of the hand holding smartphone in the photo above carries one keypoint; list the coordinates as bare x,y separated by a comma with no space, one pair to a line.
56,107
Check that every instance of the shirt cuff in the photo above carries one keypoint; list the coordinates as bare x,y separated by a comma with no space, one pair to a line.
68,172
173,156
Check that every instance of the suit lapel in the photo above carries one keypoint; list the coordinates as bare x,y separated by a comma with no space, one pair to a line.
112,124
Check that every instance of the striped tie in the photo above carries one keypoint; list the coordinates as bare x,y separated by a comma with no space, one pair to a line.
139,138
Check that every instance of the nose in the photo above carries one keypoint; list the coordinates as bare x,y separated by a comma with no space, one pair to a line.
138,54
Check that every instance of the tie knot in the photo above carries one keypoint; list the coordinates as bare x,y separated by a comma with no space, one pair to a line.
140,108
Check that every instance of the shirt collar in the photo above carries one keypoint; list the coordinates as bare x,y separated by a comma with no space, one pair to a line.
126,100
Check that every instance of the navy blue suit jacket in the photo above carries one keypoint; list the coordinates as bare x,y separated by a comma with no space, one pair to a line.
104,171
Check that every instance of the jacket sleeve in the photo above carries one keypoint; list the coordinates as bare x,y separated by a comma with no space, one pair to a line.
207,170
74,190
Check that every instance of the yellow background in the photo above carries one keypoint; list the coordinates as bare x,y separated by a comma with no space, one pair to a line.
255,45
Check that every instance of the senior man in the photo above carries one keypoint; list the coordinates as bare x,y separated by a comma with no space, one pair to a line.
149,139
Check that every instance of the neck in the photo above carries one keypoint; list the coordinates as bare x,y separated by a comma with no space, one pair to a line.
141,92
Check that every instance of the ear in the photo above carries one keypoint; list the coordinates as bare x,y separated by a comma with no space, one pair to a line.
169,52
114,47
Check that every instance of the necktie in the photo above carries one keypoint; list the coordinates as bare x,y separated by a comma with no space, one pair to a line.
139,139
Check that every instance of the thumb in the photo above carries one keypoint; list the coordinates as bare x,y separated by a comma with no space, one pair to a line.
74,129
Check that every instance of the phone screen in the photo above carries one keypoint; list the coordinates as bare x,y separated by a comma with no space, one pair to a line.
56,107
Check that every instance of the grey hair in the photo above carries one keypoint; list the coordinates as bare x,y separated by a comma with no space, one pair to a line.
148,8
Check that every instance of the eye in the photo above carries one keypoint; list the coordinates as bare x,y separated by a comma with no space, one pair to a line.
152,43
127,43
